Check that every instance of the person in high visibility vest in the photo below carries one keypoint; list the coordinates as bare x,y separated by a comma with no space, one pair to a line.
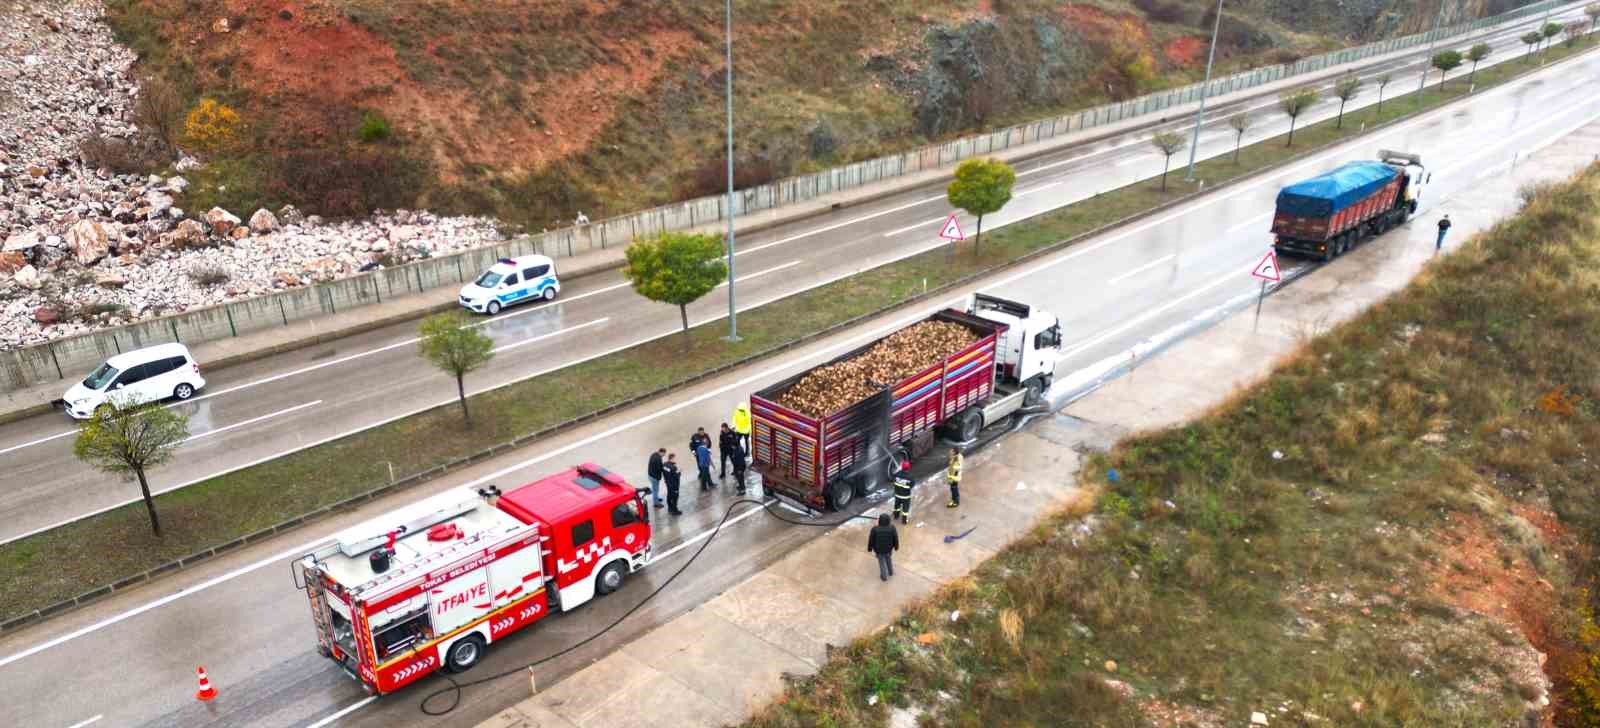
953,474
741,426
902,490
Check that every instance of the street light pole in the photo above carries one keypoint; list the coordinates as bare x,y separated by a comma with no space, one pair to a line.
733,313
1194,142
1427,61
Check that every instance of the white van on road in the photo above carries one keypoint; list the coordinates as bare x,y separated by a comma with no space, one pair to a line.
511,281
143,375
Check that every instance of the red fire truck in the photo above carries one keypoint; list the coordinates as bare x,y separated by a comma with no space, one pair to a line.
431,585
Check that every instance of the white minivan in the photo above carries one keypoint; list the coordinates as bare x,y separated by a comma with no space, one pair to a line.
511,281
143,375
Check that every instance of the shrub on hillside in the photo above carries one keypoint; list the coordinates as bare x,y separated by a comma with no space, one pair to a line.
1163,11
374,128
122,156
349,181
711,177
211,125
209,275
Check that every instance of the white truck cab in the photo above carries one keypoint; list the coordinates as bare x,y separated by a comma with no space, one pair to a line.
1417,176
1032,341
511,281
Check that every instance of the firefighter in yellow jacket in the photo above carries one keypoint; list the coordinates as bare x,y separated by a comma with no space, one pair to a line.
953,474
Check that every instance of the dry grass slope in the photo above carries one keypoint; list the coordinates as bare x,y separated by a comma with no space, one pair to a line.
1425,537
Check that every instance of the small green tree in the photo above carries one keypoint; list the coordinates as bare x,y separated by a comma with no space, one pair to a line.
1574,31
1549,31
1240,122
1345,88
131,440
1445,61
373,128
448,342
981,187
1382,80
1293,103
676,268
1532,39
1168,143
1476,54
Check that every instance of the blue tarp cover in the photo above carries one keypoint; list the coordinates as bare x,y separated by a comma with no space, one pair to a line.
1326,194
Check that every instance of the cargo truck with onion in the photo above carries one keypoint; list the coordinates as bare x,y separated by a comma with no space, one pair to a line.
829,434
1326,216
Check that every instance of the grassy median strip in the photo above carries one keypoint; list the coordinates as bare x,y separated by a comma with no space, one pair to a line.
70,560
1411,557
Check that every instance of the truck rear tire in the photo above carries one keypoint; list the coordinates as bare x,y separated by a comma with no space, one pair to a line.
969,424
840,493
465,653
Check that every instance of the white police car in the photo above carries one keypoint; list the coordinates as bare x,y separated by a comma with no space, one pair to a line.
510,281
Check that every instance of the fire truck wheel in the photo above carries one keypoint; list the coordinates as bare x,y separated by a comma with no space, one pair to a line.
610,578
464,654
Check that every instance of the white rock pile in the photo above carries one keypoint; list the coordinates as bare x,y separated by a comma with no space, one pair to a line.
83,248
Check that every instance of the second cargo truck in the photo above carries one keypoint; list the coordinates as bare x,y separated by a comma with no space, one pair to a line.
1327,215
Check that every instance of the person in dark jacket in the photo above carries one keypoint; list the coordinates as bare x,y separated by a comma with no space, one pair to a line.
654,471
738,464
1444,227
698,438
674,478
727,449
702,458
884,541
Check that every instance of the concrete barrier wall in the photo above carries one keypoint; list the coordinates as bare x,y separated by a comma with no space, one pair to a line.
74,356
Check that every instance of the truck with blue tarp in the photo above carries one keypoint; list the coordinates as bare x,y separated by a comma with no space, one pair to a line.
1326,216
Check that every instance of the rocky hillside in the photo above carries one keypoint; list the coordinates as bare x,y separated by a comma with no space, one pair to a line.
536,110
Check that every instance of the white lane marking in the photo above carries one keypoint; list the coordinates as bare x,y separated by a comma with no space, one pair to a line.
838,225
41,440
1252,222
1040,188
1129,161
252,421
703,535
916,226
551,335
747,276
912,317
1108,333
1141,269
535,309
353,707
89,722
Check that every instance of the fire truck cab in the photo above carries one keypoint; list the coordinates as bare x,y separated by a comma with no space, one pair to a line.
433,584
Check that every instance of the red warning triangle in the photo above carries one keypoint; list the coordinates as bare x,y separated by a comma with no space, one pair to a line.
952,229
1267,269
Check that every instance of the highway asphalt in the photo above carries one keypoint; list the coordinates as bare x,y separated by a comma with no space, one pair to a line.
277,405
130,659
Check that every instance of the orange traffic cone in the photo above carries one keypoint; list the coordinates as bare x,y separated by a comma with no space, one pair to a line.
206,692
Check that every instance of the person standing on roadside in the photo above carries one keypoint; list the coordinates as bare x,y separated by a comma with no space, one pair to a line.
698,437
902,490
727,449
674,478
738,465
654,471
1444,227
953,474
741,426
883,541
702,458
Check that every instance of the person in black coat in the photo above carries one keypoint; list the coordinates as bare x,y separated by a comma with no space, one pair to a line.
654,471
728,449
884,541
674,478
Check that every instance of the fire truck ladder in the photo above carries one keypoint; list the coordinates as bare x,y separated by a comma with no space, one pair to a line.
319,610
